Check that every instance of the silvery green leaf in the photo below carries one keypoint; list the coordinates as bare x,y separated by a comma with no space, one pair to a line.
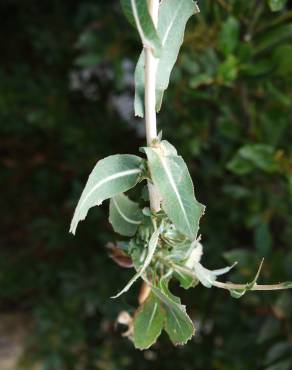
139,86
150,252
148,322
124,215
168,148
111,176
177,323
137,12
170,175
173,16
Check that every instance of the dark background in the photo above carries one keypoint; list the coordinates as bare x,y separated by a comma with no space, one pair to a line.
66,90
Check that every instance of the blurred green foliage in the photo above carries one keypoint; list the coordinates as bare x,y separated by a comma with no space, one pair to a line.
66,101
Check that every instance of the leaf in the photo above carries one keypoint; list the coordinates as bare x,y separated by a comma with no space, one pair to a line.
186,281
148,323
238,293
177,323
277,5
173,16
124,215
252,156
151,250
111,176
137,12
170,175
229,36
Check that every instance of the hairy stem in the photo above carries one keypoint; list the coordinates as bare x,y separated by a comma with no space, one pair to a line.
150,101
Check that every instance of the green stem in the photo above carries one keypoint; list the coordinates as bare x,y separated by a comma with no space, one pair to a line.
232,286
150,101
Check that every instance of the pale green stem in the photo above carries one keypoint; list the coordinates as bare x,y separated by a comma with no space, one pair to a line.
150,101
228,286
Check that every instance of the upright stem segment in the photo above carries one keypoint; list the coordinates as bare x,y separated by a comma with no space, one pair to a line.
150,100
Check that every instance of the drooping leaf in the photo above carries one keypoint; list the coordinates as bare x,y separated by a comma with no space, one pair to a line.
170,175
138,14
111,176
148,322
124,215
177,323
173,16
150,252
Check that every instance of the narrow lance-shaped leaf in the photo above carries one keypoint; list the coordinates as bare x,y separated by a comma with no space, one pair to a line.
171,176
151,250
124,215
111,176
138,14
177,323
148,322
173,17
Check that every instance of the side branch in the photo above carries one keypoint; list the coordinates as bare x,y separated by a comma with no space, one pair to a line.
232,286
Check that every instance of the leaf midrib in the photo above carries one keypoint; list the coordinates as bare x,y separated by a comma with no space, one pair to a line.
107,179
127,219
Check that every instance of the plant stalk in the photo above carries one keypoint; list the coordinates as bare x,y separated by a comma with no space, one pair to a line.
228,286
150,101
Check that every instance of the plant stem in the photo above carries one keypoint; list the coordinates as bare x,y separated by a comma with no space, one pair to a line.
228,286
150,101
